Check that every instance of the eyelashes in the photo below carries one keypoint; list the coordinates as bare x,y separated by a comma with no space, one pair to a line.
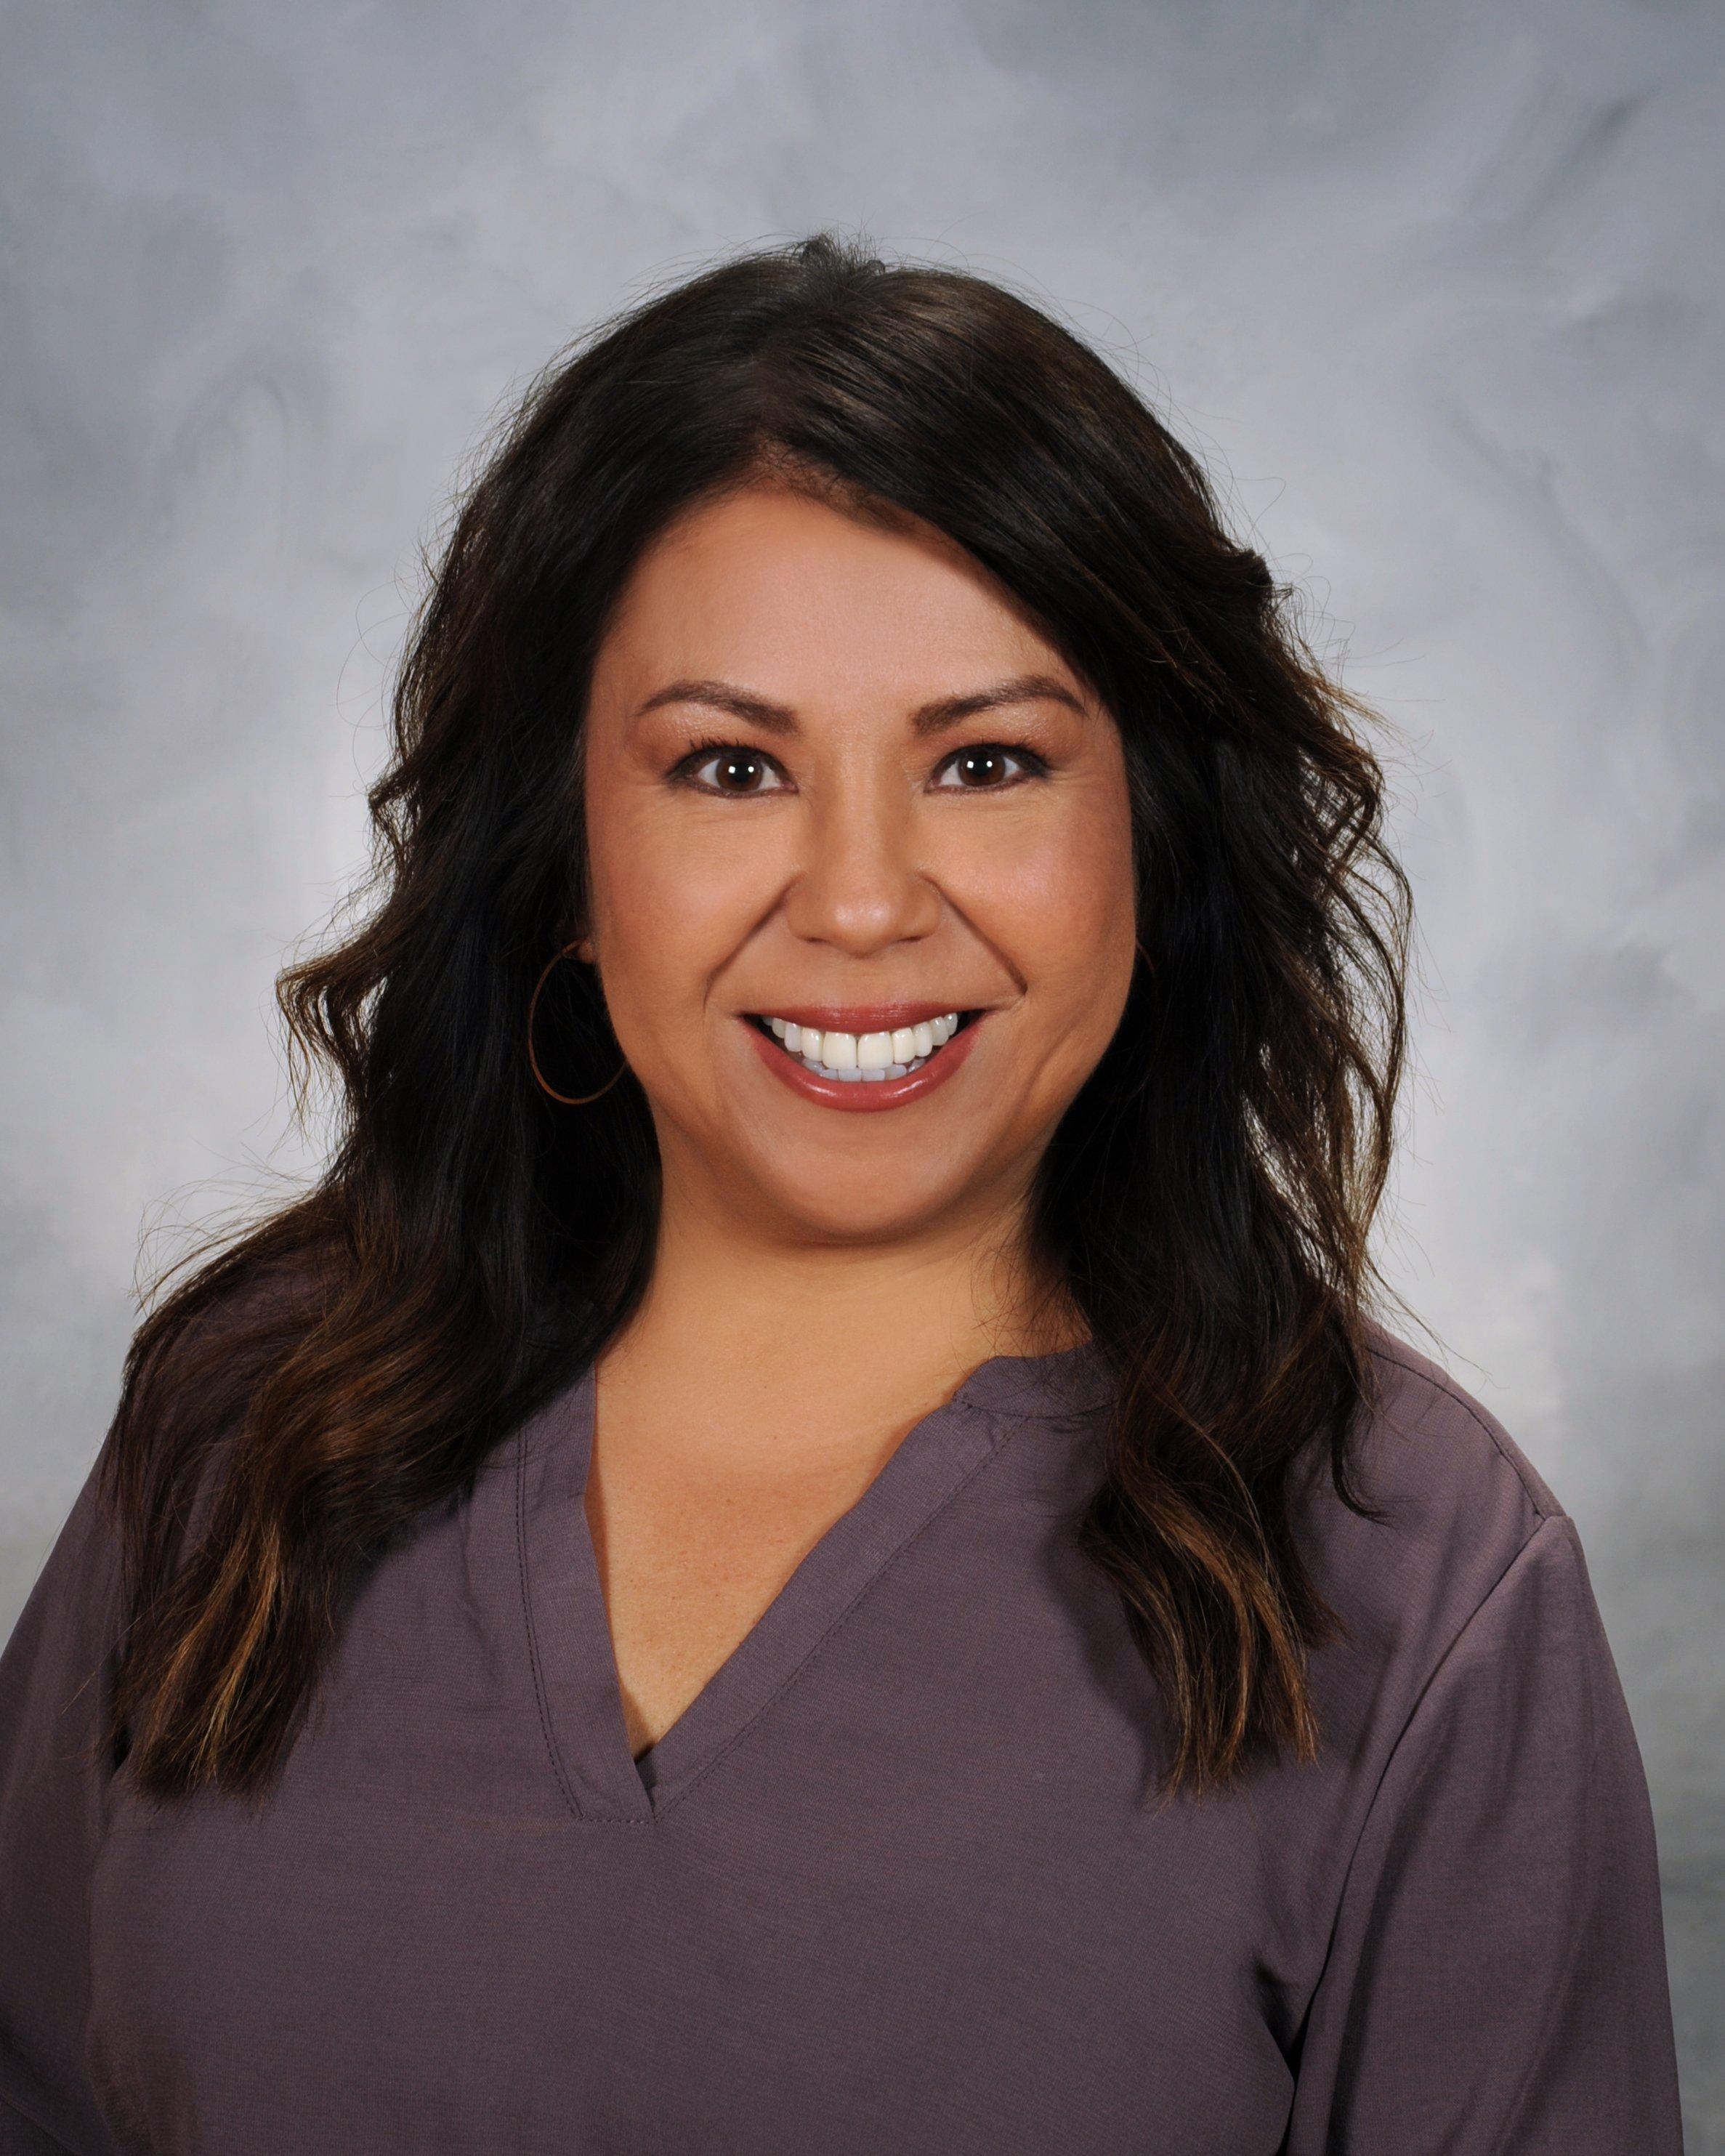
1036,766
738,753
706,750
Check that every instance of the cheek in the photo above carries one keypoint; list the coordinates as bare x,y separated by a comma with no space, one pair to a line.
669,904
1060,906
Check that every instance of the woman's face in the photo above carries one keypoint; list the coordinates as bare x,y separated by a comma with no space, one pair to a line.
834,778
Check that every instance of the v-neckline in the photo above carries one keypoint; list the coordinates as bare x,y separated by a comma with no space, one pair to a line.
575,1675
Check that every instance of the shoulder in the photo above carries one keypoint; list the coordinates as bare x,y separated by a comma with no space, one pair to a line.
1454,1503
226,1327
192,1371
1426,1436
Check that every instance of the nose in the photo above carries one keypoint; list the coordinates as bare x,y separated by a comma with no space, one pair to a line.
860,885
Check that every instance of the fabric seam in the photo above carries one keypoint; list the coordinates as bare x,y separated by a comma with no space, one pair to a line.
18,2111
1447,1389
1550,1520
533,1655
1003,1438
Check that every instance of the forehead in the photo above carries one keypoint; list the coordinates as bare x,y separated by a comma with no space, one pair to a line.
805,602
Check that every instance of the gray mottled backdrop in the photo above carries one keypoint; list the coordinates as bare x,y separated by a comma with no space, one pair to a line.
1436,292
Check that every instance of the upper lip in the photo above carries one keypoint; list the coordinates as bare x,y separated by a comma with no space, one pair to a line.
857,1017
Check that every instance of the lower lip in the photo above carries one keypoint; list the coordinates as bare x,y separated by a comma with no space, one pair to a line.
864,1095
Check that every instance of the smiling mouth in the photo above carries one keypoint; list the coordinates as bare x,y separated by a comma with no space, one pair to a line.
864,1058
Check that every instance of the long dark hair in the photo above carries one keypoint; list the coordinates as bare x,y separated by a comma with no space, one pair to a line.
328,1373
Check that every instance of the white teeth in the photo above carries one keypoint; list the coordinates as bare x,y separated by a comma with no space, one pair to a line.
868,1057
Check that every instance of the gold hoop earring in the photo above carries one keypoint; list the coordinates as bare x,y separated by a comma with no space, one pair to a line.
568,1099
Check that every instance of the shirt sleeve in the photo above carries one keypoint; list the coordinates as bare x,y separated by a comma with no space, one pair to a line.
55,1678
1496,1977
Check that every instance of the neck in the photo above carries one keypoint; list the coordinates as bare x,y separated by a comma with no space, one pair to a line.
835,1323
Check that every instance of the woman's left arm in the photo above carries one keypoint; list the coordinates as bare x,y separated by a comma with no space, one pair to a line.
53,1675
1496,1979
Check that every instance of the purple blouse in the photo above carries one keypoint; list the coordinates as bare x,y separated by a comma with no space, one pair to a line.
898,1881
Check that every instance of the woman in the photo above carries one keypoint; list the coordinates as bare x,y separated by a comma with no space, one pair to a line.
809,1543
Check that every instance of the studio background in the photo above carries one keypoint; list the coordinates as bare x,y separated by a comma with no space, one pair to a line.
1435,292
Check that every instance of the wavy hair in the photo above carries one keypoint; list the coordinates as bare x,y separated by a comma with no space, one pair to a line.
324,1375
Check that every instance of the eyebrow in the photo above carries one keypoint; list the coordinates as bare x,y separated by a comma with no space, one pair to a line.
930,718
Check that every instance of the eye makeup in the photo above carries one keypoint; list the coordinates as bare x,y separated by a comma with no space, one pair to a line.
709,748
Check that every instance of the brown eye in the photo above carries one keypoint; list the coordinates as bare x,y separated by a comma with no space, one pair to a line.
736,771
980,770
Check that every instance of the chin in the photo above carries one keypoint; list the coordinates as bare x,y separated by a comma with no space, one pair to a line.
863,1204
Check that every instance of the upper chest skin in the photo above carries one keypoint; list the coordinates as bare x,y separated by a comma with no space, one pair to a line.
697,1522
